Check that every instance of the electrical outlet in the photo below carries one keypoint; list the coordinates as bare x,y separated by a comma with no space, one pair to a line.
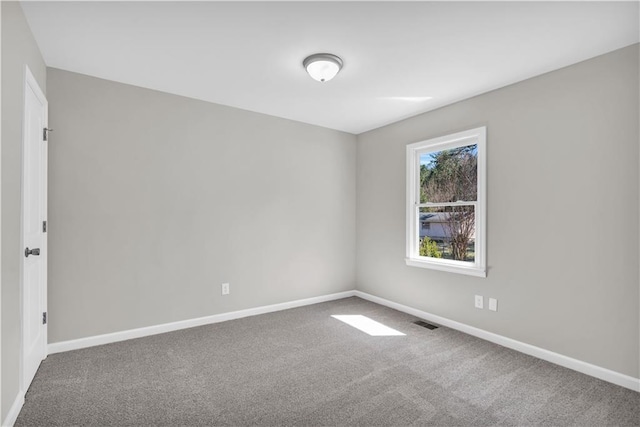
225,289
479,301
493,304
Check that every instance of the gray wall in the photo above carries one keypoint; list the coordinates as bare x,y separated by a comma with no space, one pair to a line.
562,213
18,49
155,200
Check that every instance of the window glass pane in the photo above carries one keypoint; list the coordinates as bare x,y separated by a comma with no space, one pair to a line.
447,232
449,175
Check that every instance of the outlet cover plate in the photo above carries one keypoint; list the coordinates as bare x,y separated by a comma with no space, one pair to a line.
479,301
225,289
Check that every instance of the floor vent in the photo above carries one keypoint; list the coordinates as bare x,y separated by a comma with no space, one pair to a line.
425,324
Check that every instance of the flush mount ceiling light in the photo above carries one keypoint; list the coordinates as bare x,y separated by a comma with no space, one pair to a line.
322,66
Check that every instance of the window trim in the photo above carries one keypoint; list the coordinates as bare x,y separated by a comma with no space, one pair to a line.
469,137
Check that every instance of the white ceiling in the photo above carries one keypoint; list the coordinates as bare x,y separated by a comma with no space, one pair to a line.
400,59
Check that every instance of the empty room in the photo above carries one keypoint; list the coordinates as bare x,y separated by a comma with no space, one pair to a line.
320,213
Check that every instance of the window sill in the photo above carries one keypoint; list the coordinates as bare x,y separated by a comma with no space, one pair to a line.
451,267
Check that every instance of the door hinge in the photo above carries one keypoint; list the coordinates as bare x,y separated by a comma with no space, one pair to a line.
44,318
44,226
45,133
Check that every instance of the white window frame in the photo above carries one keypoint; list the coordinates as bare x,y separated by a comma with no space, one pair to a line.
478,267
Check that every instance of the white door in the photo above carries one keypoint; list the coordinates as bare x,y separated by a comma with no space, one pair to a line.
34,237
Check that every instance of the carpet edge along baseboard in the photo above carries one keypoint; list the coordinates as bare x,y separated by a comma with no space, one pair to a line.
538,352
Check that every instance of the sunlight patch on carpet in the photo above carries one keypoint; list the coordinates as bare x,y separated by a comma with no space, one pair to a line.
366,325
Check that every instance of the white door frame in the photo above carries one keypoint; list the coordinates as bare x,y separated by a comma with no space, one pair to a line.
30,83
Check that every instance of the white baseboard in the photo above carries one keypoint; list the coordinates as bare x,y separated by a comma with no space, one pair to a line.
559,359
13,413
59,347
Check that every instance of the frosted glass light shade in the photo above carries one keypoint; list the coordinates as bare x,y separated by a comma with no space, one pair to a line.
322,66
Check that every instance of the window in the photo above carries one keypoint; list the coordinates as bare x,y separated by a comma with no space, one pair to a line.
446,203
